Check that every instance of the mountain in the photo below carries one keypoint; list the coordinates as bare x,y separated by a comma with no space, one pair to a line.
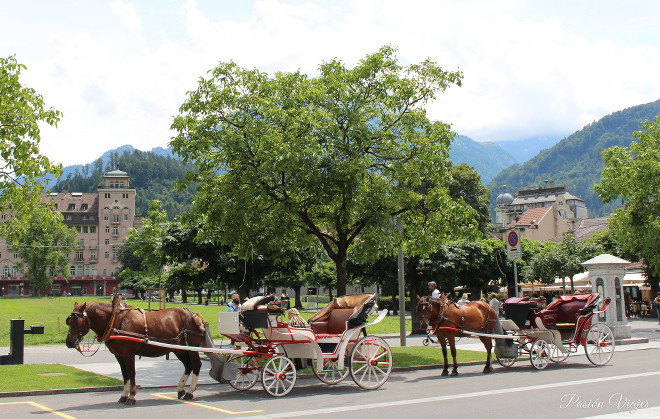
487,158
575,161
525,149
153,174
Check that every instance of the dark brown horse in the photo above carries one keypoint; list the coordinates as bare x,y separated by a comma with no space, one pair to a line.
447,320
178,326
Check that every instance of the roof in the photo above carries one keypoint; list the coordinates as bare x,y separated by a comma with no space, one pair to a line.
605,259
548,197
534,214
588,227
116,173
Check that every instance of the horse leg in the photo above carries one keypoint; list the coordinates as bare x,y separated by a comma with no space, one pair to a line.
452,346
196,364
124,393
488,343
130,371
184,358
443,343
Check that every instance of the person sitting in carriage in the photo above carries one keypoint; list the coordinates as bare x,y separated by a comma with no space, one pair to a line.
433,289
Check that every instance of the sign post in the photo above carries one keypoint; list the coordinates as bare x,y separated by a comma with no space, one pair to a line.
513,252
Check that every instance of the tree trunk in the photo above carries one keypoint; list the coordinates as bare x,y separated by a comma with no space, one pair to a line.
184,296
414,284
297,303
199,297
340,263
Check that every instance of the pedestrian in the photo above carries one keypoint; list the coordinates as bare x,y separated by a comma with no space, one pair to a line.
433,289
656,304
495,303
464,300
234,304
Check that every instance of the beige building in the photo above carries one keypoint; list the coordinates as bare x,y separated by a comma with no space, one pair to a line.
102,220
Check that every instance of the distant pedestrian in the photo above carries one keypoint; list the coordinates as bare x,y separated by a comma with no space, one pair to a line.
495,303
464,300
656,304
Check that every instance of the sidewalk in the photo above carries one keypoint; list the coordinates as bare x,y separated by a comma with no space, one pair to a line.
160,372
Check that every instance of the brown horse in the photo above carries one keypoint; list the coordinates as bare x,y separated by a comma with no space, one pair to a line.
178,326
447,320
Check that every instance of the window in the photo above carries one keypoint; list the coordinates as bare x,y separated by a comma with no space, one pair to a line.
107,242
81,243
79,256
14,271
106,195
72,207
85,217
125,217
72,270
83,207
107,255
115,231
13,255
78,229
114,256
124,195
85,229
92,229
68,218
107,229
105,217
79,270
115,218
105,272
92,257
5,271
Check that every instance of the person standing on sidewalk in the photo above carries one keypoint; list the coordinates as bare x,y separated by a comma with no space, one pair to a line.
656,304
433,289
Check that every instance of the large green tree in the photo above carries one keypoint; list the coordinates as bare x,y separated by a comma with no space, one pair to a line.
286,159
22,167
633,174
44,249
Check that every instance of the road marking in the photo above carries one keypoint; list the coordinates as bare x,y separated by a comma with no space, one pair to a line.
42,407
449,397
217,409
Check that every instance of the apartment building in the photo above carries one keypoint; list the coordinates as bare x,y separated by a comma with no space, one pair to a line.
102,220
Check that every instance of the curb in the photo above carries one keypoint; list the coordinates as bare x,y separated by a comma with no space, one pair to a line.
60,391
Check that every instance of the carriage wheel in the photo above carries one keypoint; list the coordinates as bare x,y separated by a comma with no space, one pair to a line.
539,354
331,374
247,372
556,355
505,362
278,376
599,344
371,362
426,342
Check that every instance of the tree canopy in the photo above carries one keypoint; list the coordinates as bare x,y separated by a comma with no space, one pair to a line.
287,159
634,174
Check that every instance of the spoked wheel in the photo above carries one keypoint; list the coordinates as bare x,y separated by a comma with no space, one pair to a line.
599,344
426,342
247,372
371,362
556,355
539,354
278,376
331,374
506,362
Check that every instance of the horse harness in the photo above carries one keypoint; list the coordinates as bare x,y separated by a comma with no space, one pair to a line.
441,318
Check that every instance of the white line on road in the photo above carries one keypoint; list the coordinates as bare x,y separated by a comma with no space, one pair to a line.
301,413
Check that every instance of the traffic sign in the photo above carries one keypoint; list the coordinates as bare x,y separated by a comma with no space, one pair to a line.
513,249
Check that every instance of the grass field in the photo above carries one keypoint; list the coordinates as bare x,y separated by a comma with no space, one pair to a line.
53,311
49,376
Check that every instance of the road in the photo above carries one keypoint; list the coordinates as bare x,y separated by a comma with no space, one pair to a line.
573,389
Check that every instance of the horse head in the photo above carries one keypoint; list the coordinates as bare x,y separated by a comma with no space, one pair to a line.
79,326
424,310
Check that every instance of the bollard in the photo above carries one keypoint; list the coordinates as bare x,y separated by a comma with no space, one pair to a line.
17,341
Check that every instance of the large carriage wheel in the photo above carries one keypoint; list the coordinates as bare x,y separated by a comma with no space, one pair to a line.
247,372
599,344
371,362
330,374
278,376
539,354
556,355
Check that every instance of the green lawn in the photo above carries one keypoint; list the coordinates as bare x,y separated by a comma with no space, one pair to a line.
49,376
53,311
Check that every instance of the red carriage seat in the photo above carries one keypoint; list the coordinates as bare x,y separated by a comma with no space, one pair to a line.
333,318
564,310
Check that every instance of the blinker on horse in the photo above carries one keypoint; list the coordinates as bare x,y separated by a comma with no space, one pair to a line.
177,326
448,321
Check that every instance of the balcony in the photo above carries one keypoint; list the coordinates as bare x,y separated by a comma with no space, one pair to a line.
78,259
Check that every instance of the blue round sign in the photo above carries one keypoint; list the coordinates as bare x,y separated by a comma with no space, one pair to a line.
513,239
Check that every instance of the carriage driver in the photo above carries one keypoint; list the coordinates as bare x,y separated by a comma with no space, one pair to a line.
433,288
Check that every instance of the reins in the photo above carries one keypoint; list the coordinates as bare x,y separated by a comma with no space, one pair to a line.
441,318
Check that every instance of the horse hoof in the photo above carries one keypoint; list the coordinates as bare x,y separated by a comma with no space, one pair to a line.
454,373
180,394
445,373
488,370
188,396
130,402
122,400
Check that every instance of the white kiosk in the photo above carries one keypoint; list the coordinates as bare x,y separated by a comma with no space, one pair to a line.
606,274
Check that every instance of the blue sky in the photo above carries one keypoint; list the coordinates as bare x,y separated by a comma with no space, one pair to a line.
120,69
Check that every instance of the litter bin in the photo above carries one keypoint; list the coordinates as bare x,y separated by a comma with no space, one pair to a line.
206,301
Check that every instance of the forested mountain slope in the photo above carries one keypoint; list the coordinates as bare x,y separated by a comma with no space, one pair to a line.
576,161
488,159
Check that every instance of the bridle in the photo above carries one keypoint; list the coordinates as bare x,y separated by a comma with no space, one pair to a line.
82,323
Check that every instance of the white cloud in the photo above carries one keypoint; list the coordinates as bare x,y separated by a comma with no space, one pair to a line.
528,71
